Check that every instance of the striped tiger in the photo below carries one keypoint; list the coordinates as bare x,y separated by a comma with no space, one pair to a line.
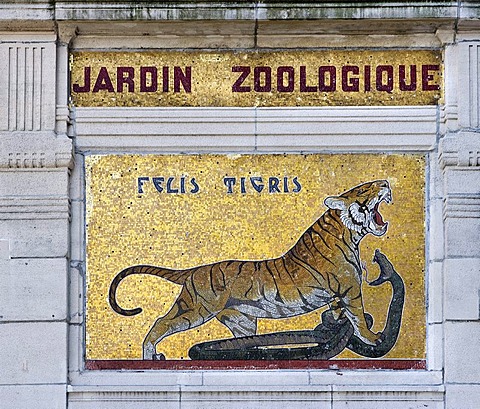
322,268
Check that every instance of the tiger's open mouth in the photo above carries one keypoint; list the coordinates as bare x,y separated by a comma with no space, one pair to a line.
378,226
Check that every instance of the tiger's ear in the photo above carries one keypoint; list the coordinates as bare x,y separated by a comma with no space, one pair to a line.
335,203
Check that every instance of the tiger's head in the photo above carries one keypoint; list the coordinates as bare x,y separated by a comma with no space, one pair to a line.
359,207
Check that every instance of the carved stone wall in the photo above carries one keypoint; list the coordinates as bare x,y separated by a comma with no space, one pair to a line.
42,198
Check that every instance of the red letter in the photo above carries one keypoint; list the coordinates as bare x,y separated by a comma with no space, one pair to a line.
267,87
303,81
121,79
165,79
237,86
291,75
86,82
413,78
388,87
103,82
367,75
332,71
350,84
153,79
427,77
184,78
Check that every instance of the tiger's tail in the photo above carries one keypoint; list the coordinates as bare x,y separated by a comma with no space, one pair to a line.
175,276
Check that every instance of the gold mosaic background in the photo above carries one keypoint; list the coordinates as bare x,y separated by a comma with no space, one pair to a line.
184,230
212,78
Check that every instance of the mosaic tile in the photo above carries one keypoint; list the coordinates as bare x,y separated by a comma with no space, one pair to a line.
183,211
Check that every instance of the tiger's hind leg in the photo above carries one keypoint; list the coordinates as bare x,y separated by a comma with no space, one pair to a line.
181,317
239,323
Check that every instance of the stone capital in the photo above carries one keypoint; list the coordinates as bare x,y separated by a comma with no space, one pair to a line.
66,32
460,149
31,150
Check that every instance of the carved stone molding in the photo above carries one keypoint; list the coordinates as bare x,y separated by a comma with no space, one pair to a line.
460,160
462,207
469,84
66,32
28,67
247,129
29,208
460,149
445,34
34,150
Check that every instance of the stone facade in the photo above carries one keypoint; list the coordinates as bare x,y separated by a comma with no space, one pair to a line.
43,140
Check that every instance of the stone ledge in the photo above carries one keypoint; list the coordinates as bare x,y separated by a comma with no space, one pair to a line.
321,380
248,129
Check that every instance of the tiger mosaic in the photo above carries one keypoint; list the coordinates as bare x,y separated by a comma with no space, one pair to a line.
322,268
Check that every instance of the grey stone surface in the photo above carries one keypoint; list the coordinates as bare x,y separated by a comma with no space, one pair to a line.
462,359
462,180
33,353
30,183
462,289
363,397
462,396
33,396
77,230
435,239
462,236
77,179
4,251
33,290
37,238
254,400
435,347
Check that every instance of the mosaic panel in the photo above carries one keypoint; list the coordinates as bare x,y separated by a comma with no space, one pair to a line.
263,79
255,258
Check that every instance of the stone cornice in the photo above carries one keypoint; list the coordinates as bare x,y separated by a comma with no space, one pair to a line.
88,10
265,10
338,17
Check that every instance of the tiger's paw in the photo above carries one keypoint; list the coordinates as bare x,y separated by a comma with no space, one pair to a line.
159,357
149,351
381,338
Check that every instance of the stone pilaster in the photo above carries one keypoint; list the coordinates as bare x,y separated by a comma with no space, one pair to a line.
35,157
460,161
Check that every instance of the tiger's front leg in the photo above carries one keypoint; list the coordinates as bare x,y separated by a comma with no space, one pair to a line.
354,311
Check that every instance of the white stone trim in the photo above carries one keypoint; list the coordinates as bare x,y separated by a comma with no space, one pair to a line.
250,129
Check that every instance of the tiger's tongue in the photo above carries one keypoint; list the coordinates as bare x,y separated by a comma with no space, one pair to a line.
378,216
